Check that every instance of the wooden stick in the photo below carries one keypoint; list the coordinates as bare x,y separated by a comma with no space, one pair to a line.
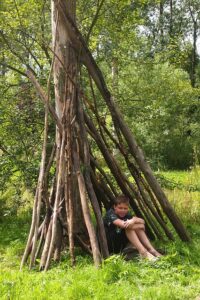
132,168
40,190
44,98
46,247
86,174
109,182
31,233
112,164
86,212
69,182
57,201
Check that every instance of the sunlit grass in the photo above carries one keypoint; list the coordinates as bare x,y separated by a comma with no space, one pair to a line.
186,203
185,197
175,276
188,178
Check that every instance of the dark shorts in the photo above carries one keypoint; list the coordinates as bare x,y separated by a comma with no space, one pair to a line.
116,241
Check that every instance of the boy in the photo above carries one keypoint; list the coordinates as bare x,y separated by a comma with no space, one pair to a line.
122,228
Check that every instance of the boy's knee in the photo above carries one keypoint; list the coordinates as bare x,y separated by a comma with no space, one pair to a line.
140,220
135,227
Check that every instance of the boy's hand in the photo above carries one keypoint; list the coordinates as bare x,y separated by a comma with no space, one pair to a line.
134,220
127,223
138,220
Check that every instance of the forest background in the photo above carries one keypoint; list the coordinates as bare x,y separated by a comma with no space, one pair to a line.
149,54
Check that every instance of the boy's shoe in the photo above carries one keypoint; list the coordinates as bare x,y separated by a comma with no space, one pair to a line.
155,253
147,255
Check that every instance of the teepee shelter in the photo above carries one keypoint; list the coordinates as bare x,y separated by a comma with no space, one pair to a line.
63,208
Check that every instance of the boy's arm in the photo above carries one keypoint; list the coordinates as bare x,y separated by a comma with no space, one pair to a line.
124,224
129,222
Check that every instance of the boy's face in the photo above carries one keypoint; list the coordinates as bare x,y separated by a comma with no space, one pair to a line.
121,209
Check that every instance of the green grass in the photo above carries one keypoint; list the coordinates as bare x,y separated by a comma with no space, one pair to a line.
184,193
175,276
188,180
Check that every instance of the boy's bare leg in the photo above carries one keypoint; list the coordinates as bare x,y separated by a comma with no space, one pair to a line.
134,240
139,228
145,241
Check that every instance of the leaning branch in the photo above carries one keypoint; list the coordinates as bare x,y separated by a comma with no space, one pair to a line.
44,98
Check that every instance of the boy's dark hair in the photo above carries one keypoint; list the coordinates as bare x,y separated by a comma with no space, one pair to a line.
121,199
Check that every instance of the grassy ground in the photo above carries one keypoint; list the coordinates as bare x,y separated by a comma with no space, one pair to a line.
175,276
184,193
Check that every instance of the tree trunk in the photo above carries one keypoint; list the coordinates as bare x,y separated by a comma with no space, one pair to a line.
171,19
161,23
194,55
66,60
194,17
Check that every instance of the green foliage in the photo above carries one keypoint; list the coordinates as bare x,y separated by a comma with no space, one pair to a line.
153,91
159,110
15,200
24,43
21,126
152,54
